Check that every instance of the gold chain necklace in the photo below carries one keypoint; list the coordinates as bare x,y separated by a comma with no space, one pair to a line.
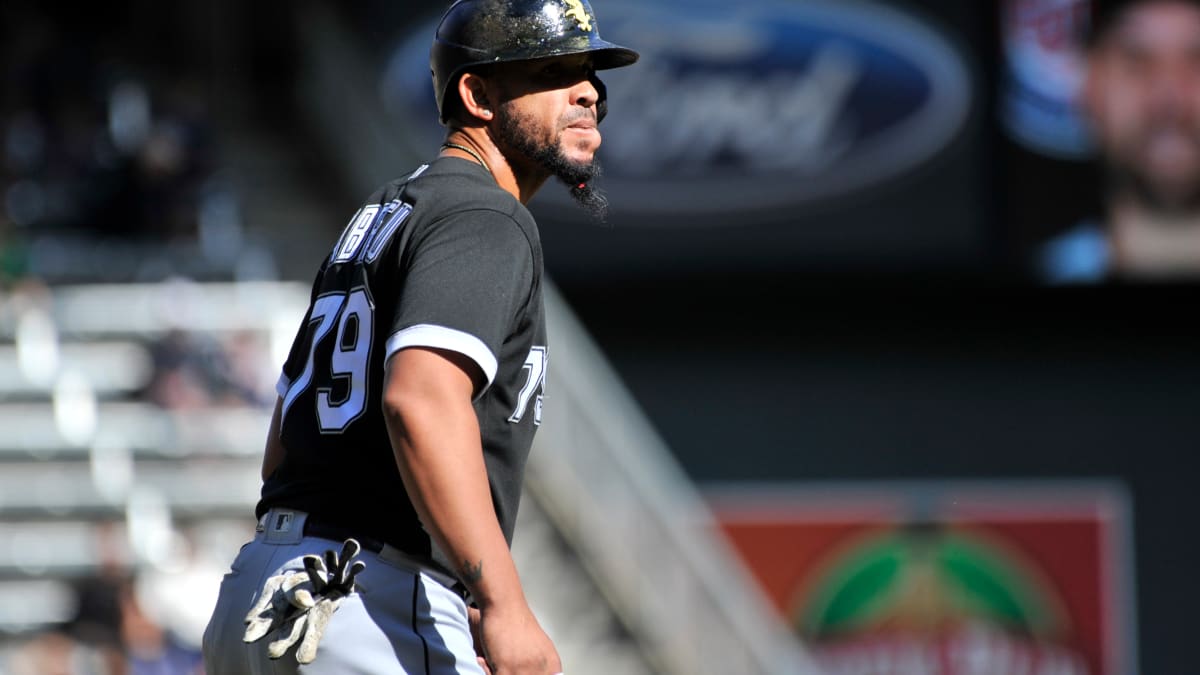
470,152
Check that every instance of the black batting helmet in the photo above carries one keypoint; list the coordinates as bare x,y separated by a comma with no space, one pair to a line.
479,32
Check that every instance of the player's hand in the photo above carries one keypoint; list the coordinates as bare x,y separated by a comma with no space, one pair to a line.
514,643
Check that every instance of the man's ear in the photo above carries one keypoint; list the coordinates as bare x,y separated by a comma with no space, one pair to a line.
472,88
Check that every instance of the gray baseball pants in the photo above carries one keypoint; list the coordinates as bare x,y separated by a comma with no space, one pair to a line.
401,620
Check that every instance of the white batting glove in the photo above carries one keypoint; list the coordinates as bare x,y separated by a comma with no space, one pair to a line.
301,603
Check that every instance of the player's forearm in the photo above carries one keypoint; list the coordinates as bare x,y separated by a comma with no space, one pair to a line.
440,459
436,442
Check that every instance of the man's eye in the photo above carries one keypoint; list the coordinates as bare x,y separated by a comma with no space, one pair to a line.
560,73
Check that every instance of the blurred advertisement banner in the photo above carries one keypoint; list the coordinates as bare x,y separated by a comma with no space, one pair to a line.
945,578
1043,75
741,112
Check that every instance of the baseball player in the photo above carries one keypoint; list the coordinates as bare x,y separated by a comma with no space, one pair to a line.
408,404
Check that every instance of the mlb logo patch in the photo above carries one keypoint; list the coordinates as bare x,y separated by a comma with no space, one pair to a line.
283,522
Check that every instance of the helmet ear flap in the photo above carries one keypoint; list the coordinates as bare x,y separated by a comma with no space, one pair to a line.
601,98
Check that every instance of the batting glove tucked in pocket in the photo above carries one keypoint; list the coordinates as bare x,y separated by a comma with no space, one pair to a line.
300,603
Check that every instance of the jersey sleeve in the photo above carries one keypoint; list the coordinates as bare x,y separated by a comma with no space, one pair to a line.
467,280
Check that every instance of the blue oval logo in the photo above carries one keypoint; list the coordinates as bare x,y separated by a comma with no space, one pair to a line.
746,108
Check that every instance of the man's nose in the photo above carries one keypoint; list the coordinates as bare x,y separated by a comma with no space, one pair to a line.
585,93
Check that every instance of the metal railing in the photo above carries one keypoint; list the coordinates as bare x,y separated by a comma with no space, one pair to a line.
607,479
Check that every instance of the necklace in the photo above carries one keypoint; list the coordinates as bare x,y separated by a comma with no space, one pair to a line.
470,152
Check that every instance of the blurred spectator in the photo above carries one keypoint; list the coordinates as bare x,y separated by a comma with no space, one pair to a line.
13,256
150,648
195,370
96,625
108,164
54,652
112,624
1142,97
187,371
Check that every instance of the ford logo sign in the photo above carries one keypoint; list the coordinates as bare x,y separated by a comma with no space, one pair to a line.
751,107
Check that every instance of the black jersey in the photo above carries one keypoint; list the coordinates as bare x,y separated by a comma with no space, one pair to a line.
444,258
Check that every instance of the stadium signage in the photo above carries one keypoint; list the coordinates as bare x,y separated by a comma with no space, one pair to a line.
755,106
944,578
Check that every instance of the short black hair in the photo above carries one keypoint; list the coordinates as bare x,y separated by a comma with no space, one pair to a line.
1106,13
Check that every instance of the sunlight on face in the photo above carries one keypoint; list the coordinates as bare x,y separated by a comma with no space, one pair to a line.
551,104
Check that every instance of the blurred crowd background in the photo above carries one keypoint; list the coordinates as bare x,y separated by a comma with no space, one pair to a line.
903,285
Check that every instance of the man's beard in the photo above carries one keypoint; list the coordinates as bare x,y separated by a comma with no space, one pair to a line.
516,131
1131,174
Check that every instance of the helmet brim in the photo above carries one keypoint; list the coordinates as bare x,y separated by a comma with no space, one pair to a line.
606,55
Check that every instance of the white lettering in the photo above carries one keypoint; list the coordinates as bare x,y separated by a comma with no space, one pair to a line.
690,123
355,234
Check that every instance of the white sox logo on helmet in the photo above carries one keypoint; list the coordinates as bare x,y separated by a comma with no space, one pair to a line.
578,13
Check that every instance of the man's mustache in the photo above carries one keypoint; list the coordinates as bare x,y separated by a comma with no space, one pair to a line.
577,115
